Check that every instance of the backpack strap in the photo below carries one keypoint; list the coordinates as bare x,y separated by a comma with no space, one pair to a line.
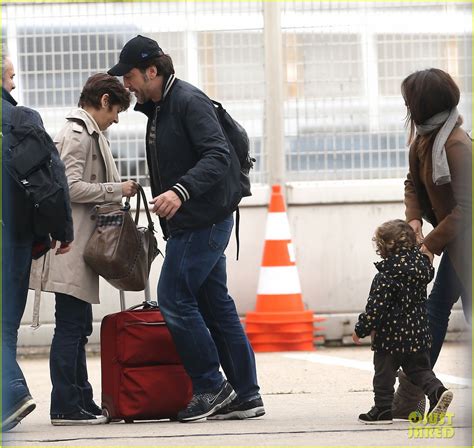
217,104
36,309
237,225
15,115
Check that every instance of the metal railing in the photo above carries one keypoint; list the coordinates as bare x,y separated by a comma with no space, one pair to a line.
340,113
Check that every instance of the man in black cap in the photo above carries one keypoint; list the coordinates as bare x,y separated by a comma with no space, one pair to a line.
190,169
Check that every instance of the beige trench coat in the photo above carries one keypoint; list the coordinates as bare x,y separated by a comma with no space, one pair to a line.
93,179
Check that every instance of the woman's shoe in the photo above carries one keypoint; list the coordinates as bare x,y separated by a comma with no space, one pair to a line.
440,401
93,409
408,398
77,418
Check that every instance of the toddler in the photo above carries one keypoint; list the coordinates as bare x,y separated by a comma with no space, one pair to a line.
396,319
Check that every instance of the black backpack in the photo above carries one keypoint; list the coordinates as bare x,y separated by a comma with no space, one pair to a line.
28,161
238,138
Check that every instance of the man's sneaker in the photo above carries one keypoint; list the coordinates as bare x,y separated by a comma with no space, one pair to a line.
408,398
440,401
238,410
205,404
377,416
18,412
77,418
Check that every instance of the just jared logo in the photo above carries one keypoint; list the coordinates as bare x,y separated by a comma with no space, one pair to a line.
433,426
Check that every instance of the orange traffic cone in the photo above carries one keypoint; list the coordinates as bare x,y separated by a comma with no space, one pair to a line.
279,322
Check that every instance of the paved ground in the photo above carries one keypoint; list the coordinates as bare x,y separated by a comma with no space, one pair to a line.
310,398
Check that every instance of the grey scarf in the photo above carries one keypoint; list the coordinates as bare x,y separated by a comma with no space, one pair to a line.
445,120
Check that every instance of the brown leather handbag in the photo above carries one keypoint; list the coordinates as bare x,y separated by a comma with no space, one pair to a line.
120,250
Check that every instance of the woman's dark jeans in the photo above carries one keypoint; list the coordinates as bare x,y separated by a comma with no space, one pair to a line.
446,291
67,361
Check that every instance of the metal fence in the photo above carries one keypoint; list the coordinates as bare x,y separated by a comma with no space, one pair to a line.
343,65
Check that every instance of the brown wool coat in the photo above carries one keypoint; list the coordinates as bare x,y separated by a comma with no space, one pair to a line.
448,207
93,179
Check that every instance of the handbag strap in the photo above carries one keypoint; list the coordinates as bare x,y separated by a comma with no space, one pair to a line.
141,195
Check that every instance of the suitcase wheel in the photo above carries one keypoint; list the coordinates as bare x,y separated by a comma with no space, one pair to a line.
106,413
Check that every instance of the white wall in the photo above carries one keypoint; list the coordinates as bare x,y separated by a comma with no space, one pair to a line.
332,225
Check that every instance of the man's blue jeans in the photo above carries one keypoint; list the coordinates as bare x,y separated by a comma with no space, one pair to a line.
16,265
446,291
202,318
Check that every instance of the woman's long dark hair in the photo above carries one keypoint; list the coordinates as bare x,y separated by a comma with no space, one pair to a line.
426,93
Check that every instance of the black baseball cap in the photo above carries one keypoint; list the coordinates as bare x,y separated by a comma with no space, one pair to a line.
135,51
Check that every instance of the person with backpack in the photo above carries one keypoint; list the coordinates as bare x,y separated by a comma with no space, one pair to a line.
21,241
93,179
195,181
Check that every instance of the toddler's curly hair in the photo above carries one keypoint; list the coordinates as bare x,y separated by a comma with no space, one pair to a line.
392,237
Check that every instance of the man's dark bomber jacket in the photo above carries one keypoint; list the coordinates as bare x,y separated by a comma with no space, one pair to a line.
191,157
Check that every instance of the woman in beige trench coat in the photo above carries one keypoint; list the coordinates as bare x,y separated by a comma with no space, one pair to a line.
93,179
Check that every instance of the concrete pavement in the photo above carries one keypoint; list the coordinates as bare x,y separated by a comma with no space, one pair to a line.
310,398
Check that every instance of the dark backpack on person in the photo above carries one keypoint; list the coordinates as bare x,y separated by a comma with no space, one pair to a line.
28,162
238,138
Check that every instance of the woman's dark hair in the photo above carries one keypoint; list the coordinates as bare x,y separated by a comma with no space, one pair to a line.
426,93
392,237
163,64
100,84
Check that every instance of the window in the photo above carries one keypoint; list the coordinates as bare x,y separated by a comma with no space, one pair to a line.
401,54
323,65
231,65
55,62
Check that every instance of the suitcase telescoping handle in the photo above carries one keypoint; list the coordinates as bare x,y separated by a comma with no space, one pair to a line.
147,303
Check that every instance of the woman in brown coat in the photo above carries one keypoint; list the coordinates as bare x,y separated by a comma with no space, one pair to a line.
438,189
93,179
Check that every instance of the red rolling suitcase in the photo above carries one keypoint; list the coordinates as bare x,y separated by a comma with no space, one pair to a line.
142,375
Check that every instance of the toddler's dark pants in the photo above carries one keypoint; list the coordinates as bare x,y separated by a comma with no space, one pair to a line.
415,365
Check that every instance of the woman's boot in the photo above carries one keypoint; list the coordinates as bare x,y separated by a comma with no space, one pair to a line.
407,399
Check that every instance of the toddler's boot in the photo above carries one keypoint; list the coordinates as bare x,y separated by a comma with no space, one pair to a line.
377,416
